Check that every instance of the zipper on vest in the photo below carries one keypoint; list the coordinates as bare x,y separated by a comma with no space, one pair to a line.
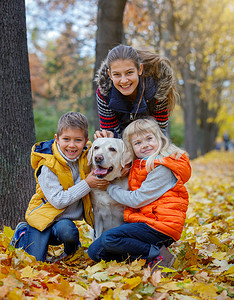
131,116
43,200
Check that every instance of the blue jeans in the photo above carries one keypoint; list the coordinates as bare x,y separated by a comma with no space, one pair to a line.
129,240
36,242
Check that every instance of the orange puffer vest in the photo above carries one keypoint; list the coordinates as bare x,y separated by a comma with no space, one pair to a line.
166,214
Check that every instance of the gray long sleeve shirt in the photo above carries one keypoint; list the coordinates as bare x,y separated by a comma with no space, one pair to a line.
71,199
157,182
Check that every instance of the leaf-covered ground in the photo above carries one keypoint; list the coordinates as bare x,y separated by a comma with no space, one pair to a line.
203,269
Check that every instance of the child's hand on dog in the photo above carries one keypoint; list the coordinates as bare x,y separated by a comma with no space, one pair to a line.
95,182
125,170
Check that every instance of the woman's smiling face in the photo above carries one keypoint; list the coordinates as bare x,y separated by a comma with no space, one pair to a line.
125,76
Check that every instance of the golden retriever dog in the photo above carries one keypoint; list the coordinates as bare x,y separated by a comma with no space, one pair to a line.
108,156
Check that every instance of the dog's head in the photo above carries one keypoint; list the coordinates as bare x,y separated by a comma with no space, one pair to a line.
108,156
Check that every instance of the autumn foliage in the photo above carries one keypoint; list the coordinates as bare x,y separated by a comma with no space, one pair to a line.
203,269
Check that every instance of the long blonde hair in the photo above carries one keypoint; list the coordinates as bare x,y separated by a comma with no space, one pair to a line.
149,125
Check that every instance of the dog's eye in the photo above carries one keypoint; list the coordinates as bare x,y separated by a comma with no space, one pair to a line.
112,149
96,148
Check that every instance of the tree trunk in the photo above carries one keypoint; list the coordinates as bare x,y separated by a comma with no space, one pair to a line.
190,114
208,129
17,133
109,34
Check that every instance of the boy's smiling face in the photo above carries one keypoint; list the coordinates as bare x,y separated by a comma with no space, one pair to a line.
71,142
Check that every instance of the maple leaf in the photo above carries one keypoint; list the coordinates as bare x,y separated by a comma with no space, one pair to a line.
108,285
54,279
28,272
8,232
120,294
137,265
93,292
15,294
205,290
63,288
101,276
132,282
78,289
98,267
4,291
230,271
169,286
156,277
116,268
11,281
146,274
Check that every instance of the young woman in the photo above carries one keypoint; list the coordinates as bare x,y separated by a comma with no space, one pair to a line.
133,84
156,203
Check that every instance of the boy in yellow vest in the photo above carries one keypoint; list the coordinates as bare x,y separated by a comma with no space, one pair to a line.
63,181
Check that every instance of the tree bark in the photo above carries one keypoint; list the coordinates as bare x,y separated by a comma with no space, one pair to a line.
189,109
109,34
208,128
17,133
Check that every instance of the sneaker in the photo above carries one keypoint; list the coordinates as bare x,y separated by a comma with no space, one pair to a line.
54,259
18,232
165,259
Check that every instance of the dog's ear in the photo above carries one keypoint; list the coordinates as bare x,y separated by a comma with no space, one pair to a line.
126,156
89,156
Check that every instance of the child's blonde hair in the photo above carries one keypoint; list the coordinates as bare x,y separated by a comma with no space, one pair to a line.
149,125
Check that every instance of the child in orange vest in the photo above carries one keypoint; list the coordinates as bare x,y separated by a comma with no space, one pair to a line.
156,203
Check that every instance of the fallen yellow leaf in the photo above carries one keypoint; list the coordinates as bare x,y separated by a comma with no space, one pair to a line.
131,283
28,272
205,290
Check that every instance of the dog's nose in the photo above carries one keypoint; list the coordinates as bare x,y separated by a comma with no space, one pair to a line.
98,158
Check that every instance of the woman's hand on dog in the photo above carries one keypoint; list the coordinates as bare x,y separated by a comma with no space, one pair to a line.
103,134
95,182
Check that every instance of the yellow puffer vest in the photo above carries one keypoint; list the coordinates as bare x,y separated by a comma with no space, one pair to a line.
166,214
40,213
